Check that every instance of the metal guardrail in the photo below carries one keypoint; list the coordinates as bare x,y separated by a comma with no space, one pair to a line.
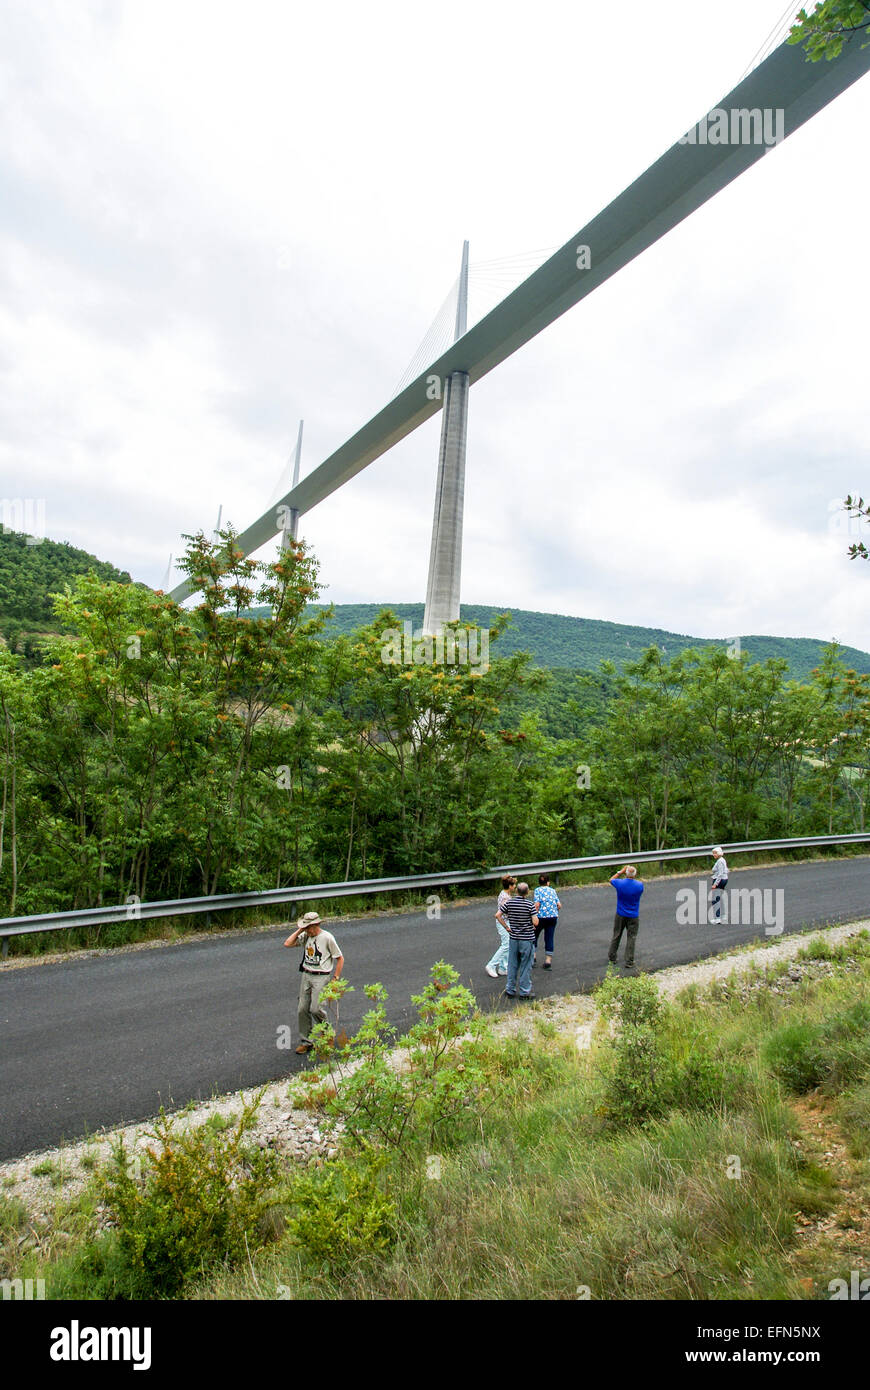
313,892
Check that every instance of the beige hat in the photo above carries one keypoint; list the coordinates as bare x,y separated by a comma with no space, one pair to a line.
310,919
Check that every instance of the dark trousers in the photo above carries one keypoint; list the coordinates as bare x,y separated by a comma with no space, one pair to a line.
629,925
547,925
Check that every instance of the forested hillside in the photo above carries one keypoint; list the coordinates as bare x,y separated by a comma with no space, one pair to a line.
555,641
159,752
29,573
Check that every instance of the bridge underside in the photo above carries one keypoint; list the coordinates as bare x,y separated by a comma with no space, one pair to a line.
681,181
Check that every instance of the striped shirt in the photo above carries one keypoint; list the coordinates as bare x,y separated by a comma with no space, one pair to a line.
519,913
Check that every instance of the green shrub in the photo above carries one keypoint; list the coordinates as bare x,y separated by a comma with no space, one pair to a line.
846,1043
704,1081
199,1201
381,1105
341,1215
853,1112
635,1070
816,950
13,1215
796,1055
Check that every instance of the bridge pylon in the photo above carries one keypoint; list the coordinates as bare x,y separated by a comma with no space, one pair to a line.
445,555
291,526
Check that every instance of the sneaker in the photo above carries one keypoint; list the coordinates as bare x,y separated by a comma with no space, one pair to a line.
508,995
493,974
528,996
502,972
548,965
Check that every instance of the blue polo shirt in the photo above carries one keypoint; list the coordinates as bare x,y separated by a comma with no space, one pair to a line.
628,891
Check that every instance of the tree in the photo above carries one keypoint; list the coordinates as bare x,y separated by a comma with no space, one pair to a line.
157,752
414,772
824,32
856,506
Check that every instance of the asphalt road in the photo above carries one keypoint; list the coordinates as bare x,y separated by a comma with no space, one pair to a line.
107,1040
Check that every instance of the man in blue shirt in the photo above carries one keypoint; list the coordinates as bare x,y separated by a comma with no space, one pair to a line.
628,890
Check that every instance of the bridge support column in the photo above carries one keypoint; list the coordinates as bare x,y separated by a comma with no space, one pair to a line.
445,558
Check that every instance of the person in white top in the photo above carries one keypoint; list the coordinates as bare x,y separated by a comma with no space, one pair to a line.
719,878
497,965
321,954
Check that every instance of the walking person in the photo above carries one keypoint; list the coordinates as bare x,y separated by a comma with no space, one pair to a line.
320,953
547,906
498,963
719,878
519,918
628,893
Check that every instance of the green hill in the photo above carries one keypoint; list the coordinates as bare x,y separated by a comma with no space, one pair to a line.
30,572
582,643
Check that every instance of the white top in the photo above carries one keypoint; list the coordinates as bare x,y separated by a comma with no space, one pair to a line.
321,952
720,869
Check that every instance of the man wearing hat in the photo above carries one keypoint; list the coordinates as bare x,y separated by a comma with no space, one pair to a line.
320,951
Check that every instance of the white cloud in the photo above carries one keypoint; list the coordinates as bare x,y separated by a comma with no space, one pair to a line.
220,218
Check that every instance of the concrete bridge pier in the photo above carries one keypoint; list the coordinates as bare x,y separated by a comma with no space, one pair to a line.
445,558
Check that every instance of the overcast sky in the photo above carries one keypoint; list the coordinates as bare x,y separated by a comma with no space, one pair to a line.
218,218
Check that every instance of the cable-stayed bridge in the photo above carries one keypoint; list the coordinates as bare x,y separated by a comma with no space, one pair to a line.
775,99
